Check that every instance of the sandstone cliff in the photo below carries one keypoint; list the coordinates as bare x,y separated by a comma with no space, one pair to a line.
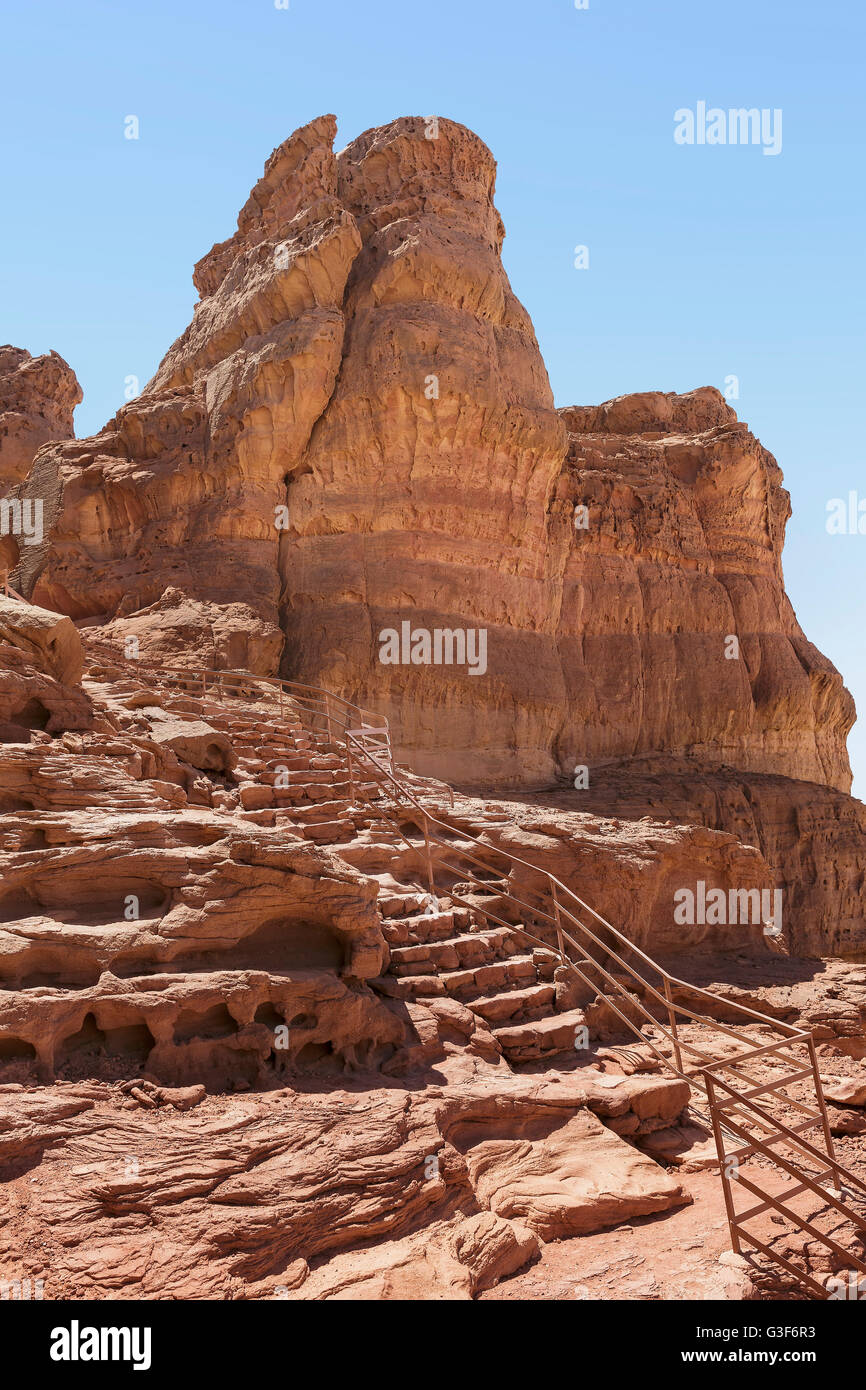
356,437
201,894
678,550
356,432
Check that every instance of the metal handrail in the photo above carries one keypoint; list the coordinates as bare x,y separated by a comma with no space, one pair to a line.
6,587
558,890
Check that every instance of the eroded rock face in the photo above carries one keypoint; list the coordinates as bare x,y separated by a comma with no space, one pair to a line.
811,837
676,550
427,482
37,398
40,672
356,432
178,492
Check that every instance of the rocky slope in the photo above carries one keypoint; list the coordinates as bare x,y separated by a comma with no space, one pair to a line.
226,978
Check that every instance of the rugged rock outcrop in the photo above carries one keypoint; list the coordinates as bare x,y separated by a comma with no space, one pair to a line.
40,673
425,493
37,398
173,503
349,468
675,633
356,433
812,837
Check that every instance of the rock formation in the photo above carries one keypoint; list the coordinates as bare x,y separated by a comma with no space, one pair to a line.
357,432
209,911
37,398
676,634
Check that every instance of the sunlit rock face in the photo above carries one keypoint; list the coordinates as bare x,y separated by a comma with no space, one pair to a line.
425,495
179,492
37,398
349,468
675,631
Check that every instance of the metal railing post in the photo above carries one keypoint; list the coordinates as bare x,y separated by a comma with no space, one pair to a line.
350,770
430,879
672,1019
825,1118
560,942
723,1172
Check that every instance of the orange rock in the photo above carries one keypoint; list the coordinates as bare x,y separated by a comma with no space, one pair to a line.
37,398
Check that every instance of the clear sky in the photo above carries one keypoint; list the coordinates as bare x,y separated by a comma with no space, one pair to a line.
705,261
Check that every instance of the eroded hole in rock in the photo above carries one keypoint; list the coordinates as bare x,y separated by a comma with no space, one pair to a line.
302,1021
215,1022
86,1043
17,904
196,835
32,715
275,946
267,1014
34,839
133,1041
14,803
16,1050
318,1057
112,902
50,976
103,902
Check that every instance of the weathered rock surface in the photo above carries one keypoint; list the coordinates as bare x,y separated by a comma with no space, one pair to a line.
356,432
685,517
40,672
47,640
246,1198
190,473
163,944
37,398
812,837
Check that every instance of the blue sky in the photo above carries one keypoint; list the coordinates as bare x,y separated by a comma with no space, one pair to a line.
705,262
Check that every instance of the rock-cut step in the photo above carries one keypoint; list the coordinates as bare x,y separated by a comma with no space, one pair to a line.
516,1004
426,926
543,1037
451,953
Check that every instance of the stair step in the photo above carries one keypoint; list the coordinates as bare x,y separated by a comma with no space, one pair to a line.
328,832
428,927
516,1003
472,982
323,811
414,931
541,1037
468,951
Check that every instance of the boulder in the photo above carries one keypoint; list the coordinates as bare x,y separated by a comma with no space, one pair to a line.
49,641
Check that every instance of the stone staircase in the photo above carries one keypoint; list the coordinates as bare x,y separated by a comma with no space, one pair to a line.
296,778
449,954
